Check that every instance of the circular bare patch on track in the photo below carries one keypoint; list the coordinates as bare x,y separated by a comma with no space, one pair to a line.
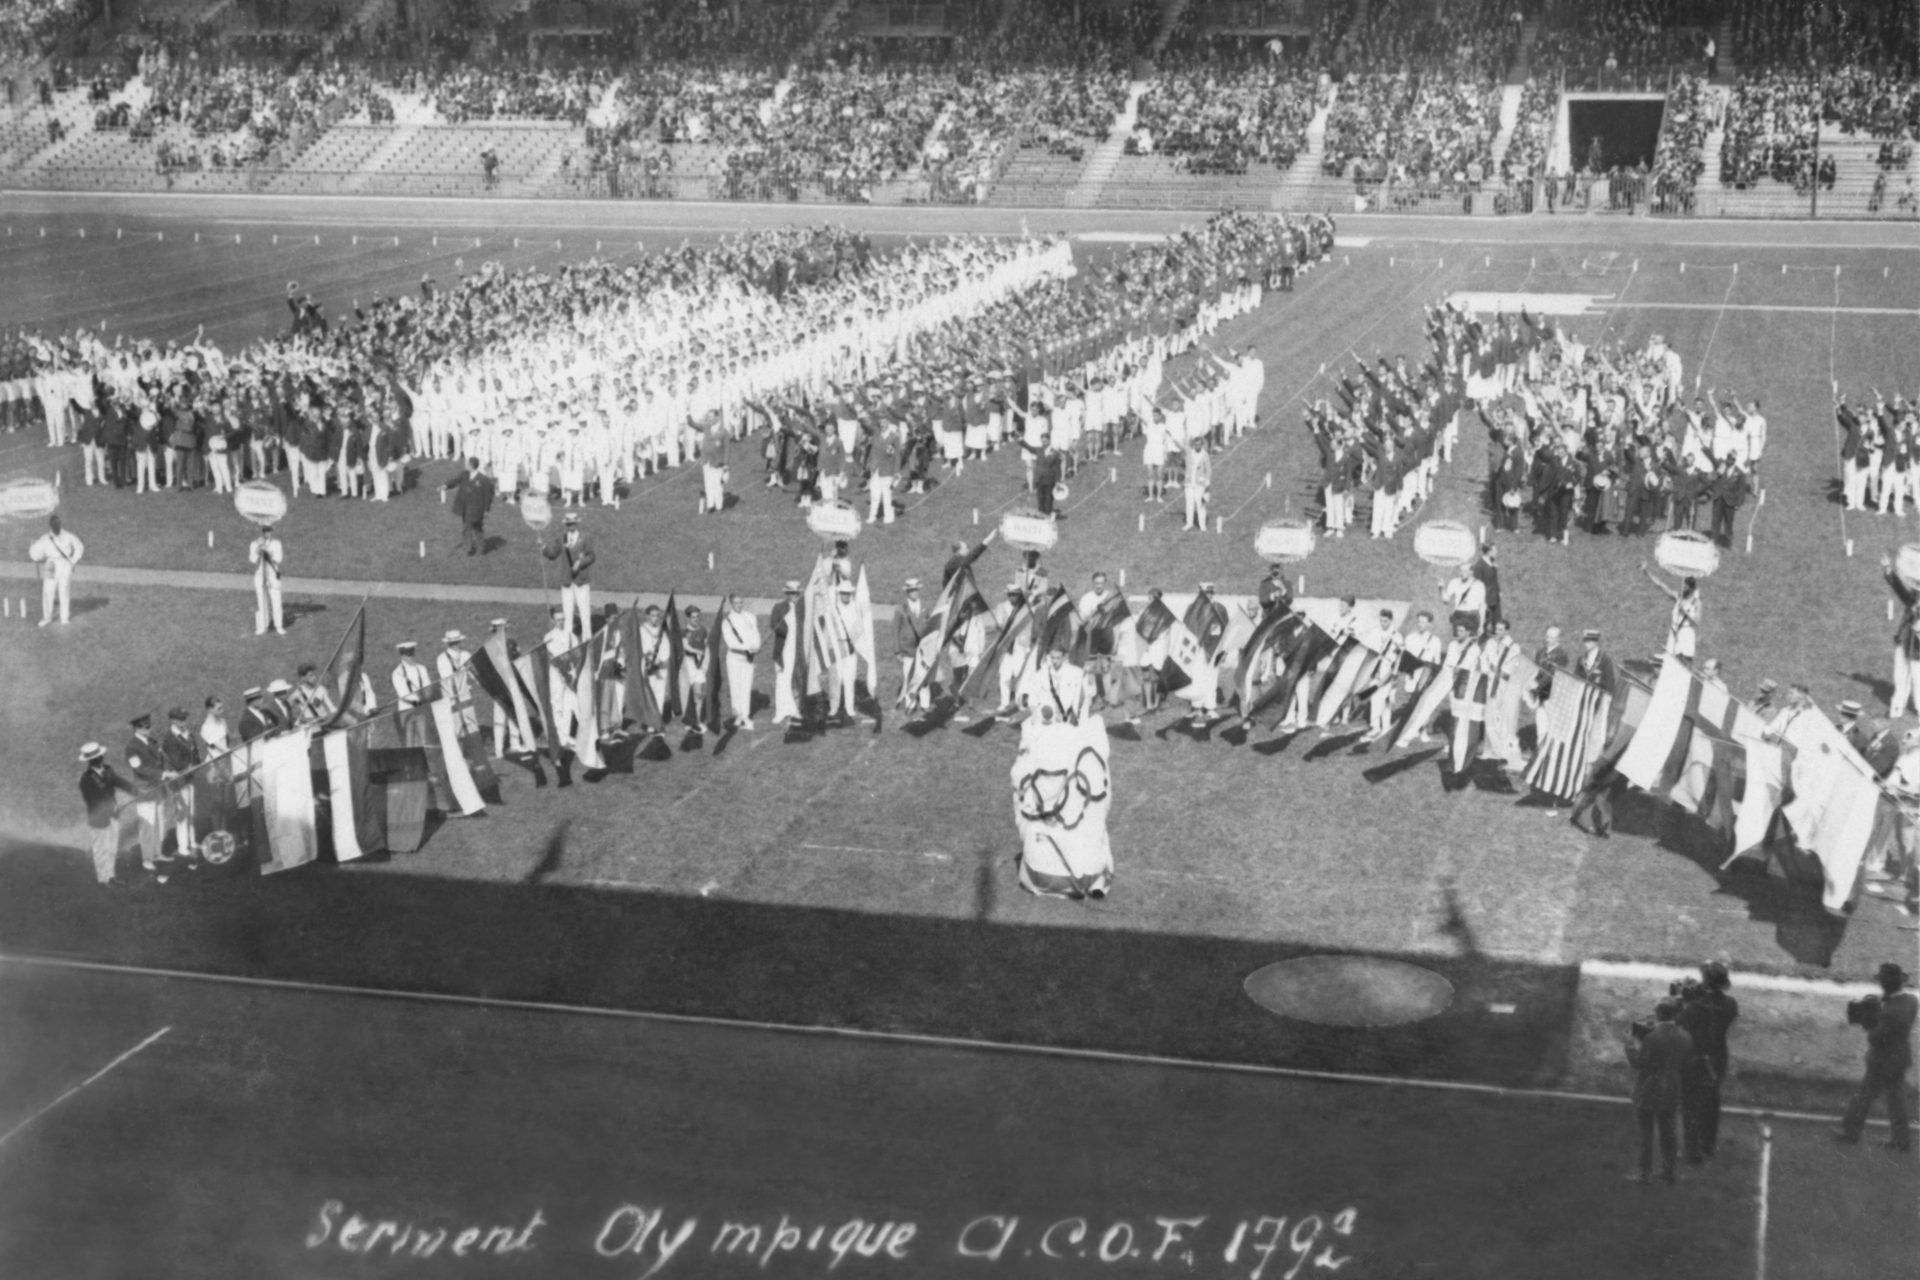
1350,991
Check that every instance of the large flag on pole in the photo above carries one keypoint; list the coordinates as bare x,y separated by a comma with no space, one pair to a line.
493,666
643,708
1656,753
1018,618
1468,706
1753,817
358,807
284,774
1270,645
1836,799
1572,728
862,624
453,788
343,674
958,602
535,671
586,700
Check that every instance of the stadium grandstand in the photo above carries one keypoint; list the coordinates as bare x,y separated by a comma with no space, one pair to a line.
1675,107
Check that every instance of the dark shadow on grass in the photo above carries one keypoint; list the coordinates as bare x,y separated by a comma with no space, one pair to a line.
1331,745
1278,743
1395,767
294,611
1080,984
83,605
550,855
1802,926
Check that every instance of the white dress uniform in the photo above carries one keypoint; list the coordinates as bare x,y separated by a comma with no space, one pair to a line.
268,558
740,631
56,554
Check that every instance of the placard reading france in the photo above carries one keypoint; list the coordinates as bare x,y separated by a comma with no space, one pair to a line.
657,1238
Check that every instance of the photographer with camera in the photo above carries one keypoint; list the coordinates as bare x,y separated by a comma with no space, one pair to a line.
1659,1053
1707,1012
1888,1021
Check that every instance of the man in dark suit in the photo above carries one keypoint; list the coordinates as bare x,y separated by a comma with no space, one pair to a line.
99,785
1889,1026
472,499
1595,666
1707,1013
1728,491
575,550
1657,1058
255,721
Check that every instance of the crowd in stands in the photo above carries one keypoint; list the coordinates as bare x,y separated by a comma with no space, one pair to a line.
29,28
1532,139
1773,120
1222,119
1776,34
514,92
1678,159
1625,45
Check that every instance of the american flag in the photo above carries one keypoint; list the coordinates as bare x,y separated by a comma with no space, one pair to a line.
1571,723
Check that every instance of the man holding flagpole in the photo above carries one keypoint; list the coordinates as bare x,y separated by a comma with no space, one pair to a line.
785,623
740,636
268,558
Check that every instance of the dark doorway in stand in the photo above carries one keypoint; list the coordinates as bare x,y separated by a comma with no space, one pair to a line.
1618,131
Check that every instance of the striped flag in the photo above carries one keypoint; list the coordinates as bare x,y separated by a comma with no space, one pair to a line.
1468,706
1572,724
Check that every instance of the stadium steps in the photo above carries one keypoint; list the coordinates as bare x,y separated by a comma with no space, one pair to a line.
398,137
1509,117
1522,69
72,110
547,173
1169,16
1036,178
1105,159
1716,137
1723,50
1155,182
1301,187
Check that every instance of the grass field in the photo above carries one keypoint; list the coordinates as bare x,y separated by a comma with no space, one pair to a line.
257,1108
862,878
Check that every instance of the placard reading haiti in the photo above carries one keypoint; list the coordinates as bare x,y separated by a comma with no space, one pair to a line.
656,1238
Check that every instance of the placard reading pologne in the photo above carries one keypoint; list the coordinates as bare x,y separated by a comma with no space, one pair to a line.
654,1238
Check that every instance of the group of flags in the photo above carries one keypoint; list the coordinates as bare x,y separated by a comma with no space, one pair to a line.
360,782
1705,751
1683,739
357,781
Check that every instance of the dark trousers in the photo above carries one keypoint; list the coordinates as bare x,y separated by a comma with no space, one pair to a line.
1890,1080
1649,1118
1700,1109
1559,512
1723,513
473,538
